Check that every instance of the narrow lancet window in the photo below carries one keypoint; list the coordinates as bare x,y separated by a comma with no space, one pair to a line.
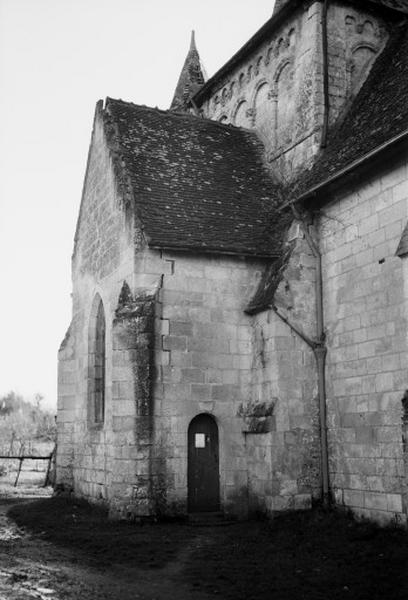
96,380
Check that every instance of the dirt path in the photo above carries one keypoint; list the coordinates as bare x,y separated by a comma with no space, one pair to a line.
61,548
33,568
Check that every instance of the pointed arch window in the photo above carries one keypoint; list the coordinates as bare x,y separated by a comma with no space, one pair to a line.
96,362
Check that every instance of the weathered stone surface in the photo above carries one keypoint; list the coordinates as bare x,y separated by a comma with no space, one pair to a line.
277,89
178,340
367,329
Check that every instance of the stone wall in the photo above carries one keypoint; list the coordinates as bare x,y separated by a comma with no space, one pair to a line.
203,365
284,369
356,39
275,91
250,373
178,344
103,258
178,340
278,89
365,296
67,390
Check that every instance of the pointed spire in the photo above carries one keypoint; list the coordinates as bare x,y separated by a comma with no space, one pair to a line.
192,77
193,47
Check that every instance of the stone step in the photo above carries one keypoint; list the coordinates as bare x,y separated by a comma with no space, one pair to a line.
209,519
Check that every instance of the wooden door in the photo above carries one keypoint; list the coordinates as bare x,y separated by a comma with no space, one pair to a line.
203,465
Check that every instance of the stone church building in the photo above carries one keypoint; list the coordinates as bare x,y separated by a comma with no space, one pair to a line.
239,334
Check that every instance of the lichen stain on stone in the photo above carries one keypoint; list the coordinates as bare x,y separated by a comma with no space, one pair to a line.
270,280
298,461
236,503
125,296
259,360
257,417
133,333
404,402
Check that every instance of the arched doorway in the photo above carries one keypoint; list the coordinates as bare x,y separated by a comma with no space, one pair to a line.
203,465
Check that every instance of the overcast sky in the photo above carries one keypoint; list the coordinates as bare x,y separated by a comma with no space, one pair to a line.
57,58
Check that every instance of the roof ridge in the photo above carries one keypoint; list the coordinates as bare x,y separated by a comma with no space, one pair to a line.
250,135
183,115
228,127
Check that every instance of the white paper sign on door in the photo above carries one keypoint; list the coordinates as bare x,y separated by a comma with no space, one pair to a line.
199,440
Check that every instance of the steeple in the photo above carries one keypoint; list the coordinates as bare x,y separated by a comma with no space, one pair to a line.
191,78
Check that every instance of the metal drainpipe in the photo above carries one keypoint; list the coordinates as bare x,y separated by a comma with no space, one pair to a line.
320,351
323,141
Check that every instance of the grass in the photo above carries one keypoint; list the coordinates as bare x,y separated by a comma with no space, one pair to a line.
306,555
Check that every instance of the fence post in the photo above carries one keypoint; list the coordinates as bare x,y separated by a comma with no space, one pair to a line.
19,470
49,467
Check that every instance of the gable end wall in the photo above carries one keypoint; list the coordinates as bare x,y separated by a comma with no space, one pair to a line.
103,258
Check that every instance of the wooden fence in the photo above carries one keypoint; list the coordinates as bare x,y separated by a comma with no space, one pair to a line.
23,457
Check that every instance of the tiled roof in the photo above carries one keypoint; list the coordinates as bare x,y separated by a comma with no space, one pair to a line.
197,184
270,280
278,5
378,114
400,5
402,249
